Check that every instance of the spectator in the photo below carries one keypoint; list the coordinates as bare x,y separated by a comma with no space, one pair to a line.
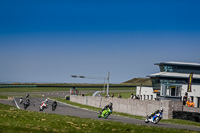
107,96
137,97
185,98
188,102
132,96
192,104
112,95
119,96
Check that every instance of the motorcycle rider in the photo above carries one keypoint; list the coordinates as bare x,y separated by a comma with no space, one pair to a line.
157,111
27,96
27,101
108,106
45,101
54,104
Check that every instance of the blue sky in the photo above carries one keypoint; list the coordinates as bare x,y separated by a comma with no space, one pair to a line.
47,41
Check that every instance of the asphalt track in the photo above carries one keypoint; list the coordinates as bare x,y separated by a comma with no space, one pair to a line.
65,109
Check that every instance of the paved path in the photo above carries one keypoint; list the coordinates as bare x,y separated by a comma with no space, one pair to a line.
65,109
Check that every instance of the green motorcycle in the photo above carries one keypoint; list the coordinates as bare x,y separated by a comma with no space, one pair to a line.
105,113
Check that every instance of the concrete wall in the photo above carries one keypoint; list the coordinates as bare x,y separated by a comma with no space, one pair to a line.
130,106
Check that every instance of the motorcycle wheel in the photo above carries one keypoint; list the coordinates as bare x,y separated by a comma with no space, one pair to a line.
146,120
41,109
156,120
53,108
99,116
106,116
25,106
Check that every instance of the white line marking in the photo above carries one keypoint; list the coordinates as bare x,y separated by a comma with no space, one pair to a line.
16,103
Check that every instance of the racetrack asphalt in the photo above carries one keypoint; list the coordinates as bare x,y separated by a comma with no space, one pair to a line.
65,109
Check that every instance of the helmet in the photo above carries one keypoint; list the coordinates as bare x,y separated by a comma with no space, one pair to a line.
110,104
161,110
46,100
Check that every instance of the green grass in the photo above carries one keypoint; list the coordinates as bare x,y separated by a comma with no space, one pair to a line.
169,121
181,122
33,89
48,89
13,120
3,97
123,94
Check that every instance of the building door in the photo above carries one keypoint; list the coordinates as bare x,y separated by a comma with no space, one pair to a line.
192,98
198,102
173,91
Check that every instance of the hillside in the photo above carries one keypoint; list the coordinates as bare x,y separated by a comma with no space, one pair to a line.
138,81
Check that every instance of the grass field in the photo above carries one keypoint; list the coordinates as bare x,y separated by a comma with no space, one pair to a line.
13,120
48,89
123,94
3,97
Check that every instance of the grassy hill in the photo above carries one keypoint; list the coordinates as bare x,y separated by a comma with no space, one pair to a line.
138,81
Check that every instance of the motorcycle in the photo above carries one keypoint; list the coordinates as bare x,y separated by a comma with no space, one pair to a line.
42,106
26,104
54,107
105,113
154,119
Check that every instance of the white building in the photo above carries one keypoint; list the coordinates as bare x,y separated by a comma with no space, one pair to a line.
172,82
145,93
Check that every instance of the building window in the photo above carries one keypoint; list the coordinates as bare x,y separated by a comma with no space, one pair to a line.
147,97
151,97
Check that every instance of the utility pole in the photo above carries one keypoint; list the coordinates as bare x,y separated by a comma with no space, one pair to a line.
108,83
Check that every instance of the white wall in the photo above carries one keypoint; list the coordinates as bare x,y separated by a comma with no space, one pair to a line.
147,91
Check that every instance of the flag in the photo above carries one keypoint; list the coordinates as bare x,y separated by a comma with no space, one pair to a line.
190,82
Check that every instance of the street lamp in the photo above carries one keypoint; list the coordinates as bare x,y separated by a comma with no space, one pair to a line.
100,78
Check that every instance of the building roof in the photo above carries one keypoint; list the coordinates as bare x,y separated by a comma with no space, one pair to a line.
174,75
179,63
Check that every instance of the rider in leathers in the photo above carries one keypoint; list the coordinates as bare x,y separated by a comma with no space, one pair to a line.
108,106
